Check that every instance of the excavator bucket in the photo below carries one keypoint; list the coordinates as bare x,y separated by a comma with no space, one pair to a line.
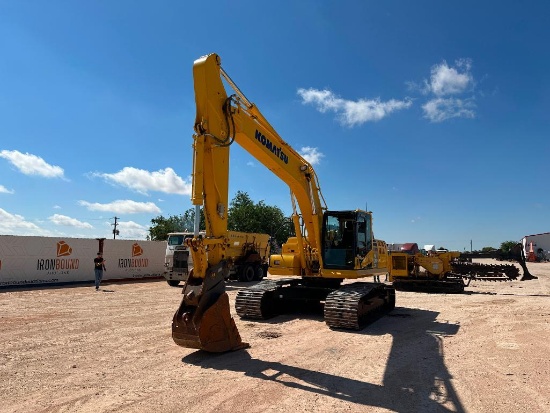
203,320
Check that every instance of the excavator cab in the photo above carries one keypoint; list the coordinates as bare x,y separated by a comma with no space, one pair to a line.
347,235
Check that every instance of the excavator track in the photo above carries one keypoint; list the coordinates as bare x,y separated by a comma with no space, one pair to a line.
350,306
258,302
353,305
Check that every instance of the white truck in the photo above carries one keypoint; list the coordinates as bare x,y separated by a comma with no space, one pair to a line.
247,256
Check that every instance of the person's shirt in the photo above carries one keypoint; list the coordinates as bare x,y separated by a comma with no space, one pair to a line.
98,263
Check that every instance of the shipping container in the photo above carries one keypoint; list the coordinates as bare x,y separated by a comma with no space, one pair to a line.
33,260
537,247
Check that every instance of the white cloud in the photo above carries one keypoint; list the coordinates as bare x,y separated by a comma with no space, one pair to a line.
132,230
312,155
4,190
446,80
451,91
58,219
440,109
324,99
29,164
13,224
122,207
143,181
352,113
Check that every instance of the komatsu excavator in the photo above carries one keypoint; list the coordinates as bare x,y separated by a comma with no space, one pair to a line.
329,246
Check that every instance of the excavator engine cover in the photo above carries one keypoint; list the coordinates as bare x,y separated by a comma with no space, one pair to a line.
203,320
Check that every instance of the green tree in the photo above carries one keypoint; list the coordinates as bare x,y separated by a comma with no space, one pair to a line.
189,220
243,215
506,246
246,216
161,226
488,249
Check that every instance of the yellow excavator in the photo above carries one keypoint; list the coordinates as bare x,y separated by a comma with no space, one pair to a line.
329,247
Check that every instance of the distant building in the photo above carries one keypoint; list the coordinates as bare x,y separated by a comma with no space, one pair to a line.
394,247
429,248
541,244
410,248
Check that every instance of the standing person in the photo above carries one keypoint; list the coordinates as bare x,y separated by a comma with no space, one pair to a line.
99,267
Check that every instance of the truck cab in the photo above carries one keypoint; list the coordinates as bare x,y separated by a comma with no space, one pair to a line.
177,260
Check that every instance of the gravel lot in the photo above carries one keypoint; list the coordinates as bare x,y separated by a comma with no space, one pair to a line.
73,349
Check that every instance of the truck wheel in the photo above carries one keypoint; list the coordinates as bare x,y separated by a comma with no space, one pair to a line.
173,283
248,273
259,273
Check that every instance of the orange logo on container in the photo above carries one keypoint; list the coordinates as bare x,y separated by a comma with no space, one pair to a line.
55,264
63,249
136,250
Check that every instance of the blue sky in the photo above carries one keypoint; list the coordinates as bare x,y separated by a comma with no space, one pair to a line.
433,115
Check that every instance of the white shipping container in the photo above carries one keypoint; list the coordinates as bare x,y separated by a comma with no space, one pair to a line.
540,244
29,260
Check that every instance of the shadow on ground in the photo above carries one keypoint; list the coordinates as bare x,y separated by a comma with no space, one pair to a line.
415,379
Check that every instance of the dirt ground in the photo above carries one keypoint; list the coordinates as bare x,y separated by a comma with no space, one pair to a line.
73,349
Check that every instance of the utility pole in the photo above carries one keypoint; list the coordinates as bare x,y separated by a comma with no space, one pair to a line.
471,250
100,243
115,231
